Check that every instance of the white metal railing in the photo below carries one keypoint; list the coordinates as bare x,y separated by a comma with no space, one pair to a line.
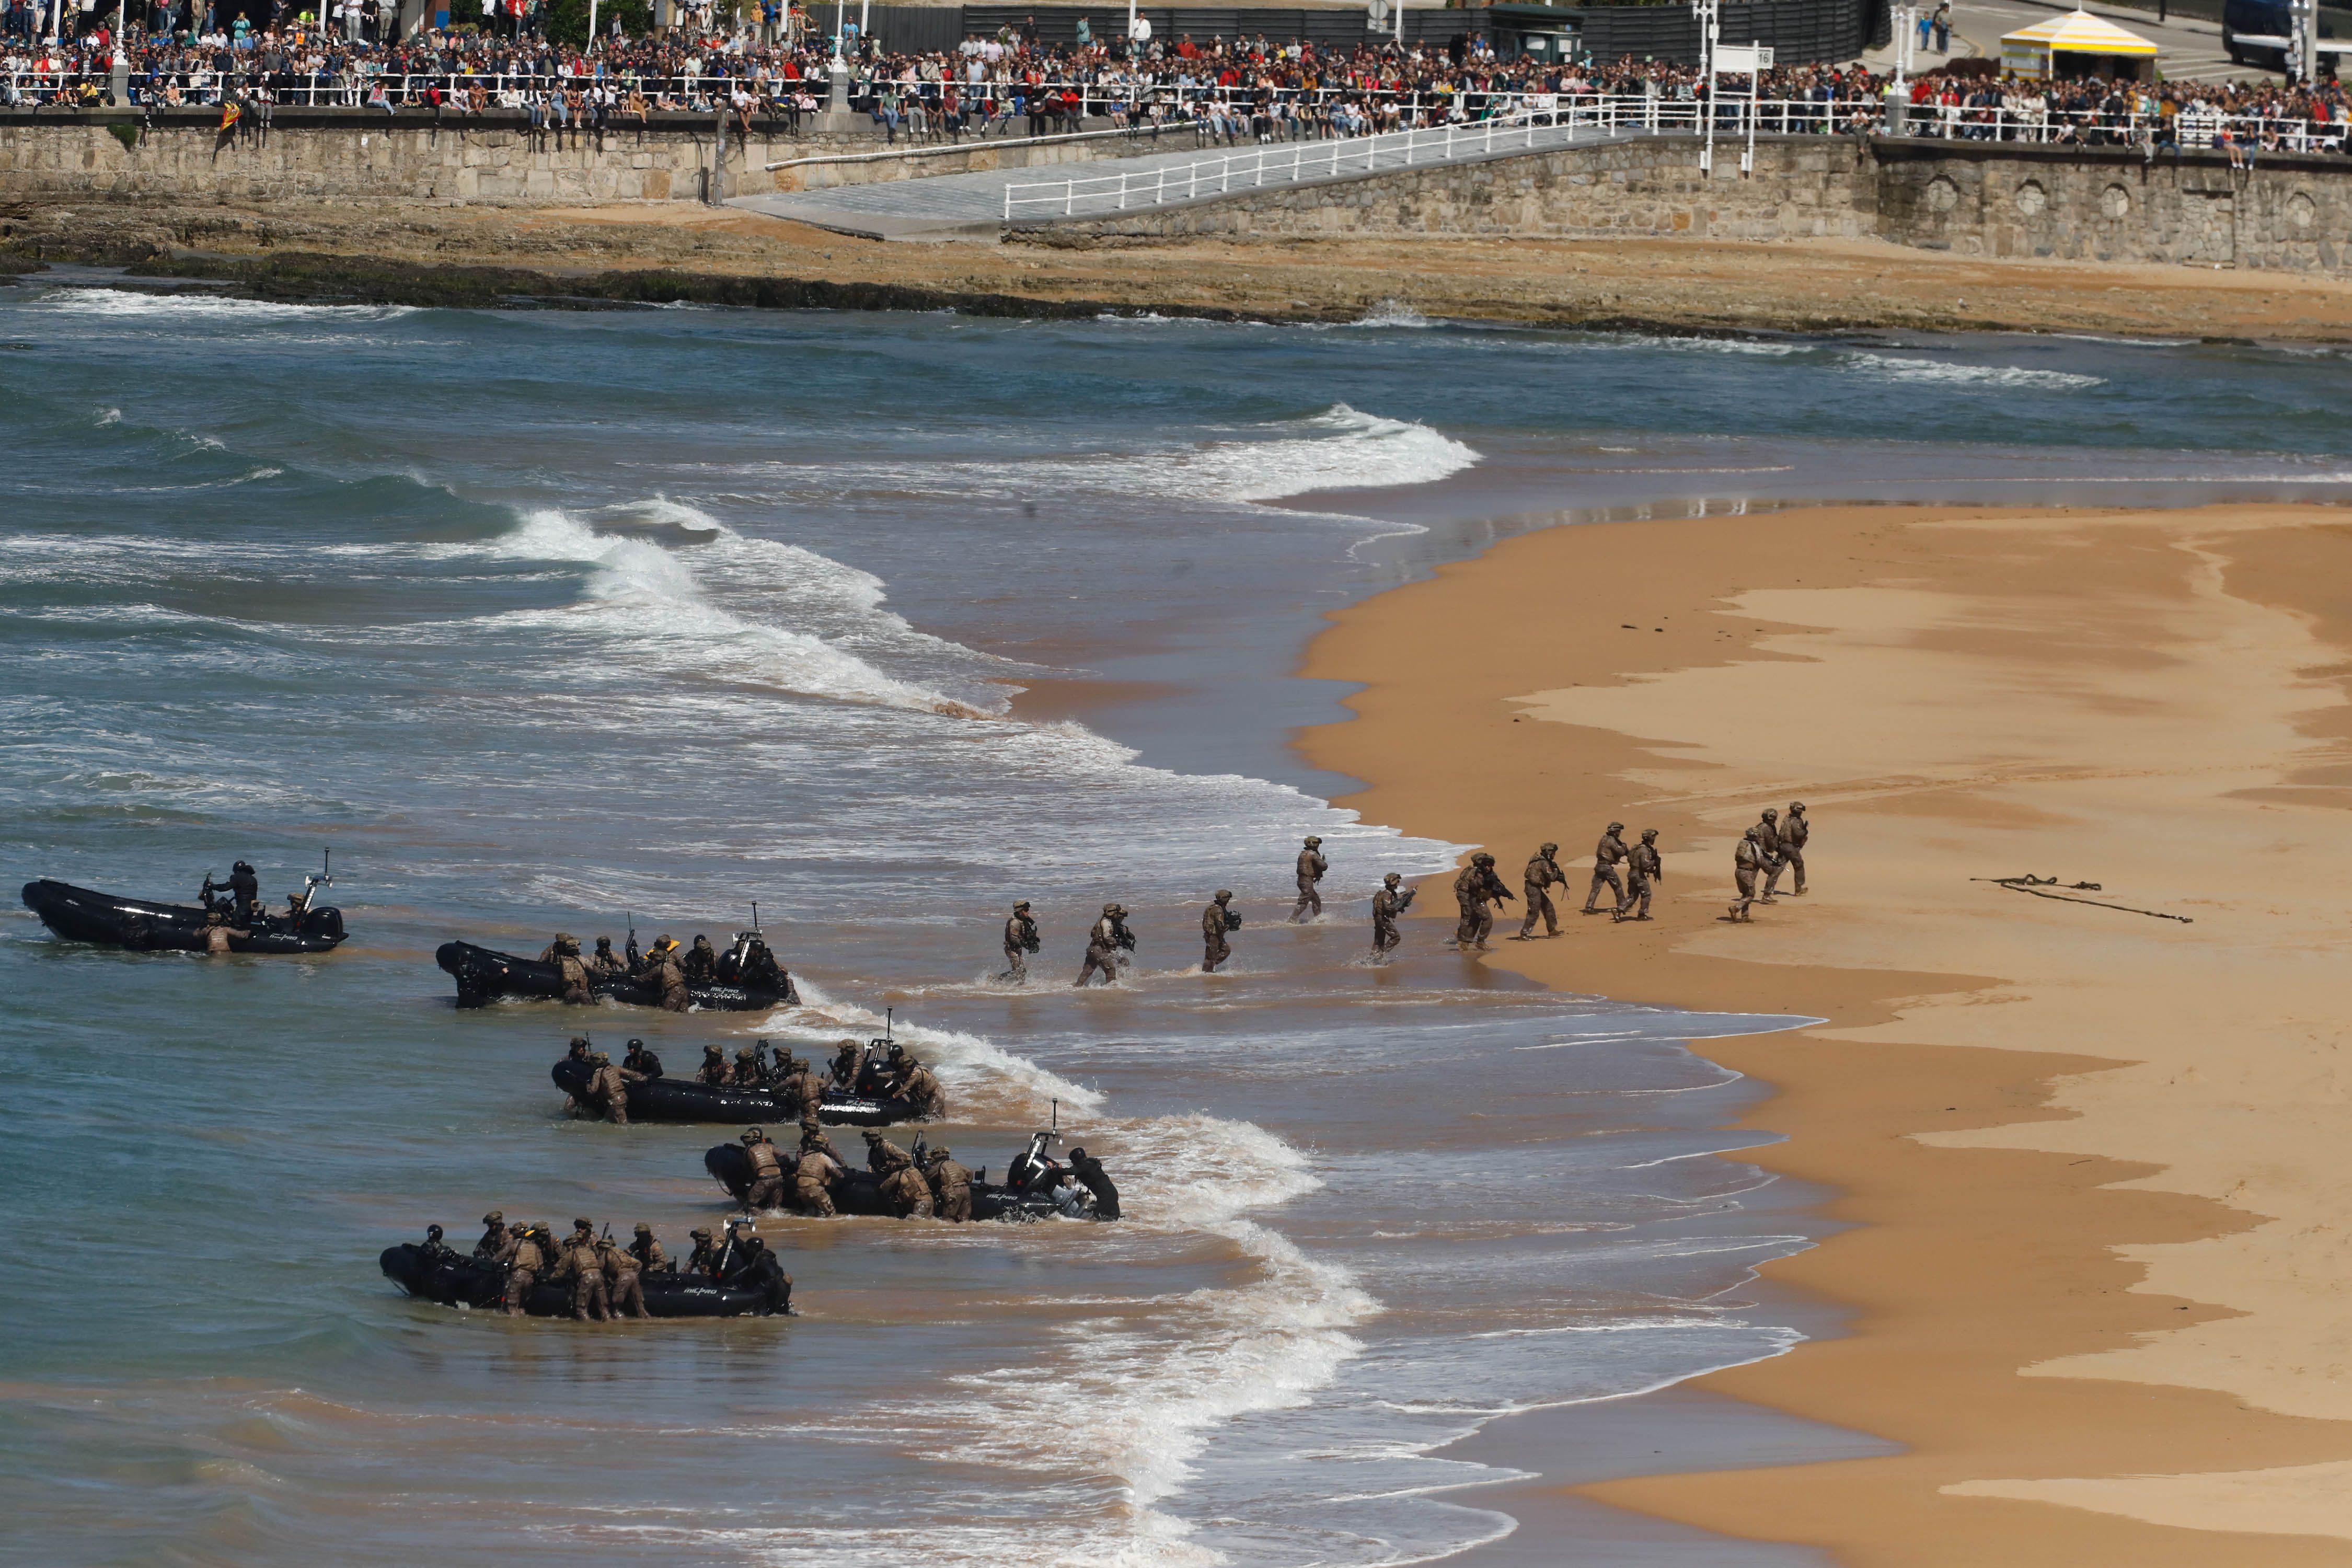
1219,175
1328,117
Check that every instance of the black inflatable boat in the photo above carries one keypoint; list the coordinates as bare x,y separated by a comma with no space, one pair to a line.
1025,1193
79,914
683,1100
456,1281
484,975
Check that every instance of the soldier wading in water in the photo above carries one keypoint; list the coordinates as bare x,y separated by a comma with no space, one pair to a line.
1107,945
1215,921
1387,905
1021,940
1311,867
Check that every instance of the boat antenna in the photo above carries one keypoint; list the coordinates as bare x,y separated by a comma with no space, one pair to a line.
889,1022
1057,1124
327,865
755,915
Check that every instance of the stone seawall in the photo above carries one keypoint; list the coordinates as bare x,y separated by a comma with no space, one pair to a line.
2290,214
351,155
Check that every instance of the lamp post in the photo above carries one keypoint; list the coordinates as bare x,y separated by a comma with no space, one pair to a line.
1705,10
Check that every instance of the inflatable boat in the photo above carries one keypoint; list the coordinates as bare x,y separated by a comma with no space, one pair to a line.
1025,1193
684,1099
79,914
456,1281
484,975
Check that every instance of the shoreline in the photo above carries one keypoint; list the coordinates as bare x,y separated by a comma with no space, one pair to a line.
1998,1093
421,254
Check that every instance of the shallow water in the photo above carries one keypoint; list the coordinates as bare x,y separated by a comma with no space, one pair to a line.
545,620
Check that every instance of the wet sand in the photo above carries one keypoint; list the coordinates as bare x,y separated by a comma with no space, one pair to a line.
405,253
2093,1157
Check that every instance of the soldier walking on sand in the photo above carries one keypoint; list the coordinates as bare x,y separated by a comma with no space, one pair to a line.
1794,831
1768,841
1311,867
1387,905
1474,889
1021,940
1747,860
1215,920
1606,855
1543,871
1642,870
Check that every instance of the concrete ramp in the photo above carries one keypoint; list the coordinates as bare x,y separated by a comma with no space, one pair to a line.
984,205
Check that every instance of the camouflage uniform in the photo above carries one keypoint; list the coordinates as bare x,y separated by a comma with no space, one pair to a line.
818,1171
1605,858
767,1187
1020,940
1474,889
1644,870
1542,871
1387,905
1768,841
648,1252
1311,867
523,1259
1747,860
1104,954
570,971
803,1092
1214,949
950,1187
909,1193
580,1265
622,1289
608,1088
1794,831
664,974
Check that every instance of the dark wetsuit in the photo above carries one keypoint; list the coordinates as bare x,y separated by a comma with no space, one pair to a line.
1095,1179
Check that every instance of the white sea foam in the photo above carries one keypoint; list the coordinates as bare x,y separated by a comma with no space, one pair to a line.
1340,448
1392,313
192,307
650,599
1140,1392
1896,367
966,1064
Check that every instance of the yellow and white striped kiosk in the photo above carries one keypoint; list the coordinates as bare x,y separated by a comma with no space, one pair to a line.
2077,44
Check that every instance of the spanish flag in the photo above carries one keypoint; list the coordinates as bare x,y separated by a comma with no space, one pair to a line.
230,111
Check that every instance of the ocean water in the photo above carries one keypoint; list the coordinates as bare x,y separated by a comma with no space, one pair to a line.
547,621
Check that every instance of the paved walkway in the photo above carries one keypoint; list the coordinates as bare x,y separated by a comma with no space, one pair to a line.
949,206
2190,47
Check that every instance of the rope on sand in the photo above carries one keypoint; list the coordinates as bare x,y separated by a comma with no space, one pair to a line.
2035,886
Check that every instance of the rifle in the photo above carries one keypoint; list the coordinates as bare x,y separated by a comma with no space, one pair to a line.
632,948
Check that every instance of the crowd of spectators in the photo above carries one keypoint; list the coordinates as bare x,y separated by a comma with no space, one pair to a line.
771,67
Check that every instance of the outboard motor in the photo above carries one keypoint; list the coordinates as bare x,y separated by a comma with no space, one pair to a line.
316,920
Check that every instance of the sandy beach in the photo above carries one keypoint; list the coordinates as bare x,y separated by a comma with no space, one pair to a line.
414,253
2091,1155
